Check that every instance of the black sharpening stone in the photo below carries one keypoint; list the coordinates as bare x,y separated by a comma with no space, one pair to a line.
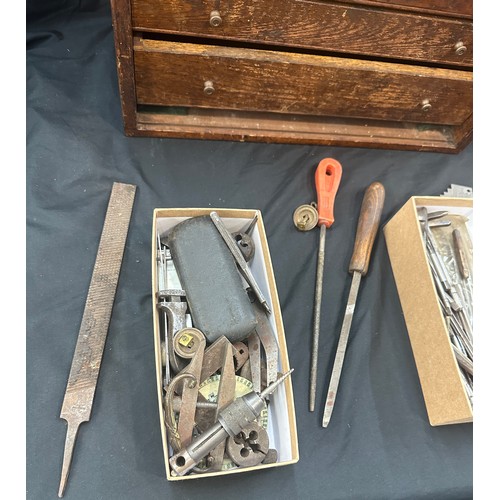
217,299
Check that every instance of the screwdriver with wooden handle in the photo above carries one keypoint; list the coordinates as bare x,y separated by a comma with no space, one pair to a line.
327,179
368,223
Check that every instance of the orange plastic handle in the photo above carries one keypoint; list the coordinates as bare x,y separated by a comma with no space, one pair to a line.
327,178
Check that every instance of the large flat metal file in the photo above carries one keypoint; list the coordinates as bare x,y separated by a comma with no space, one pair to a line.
86,364
215,292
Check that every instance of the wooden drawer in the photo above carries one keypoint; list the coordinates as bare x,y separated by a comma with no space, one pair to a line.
336,27
454,8
175,74
372,65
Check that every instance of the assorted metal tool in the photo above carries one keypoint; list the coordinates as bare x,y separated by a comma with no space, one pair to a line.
368,223
216,386
327,179
82,381
245,242
240,260
233,421
268,340
172,304
204,376
449,254
219,374
189,343
250,447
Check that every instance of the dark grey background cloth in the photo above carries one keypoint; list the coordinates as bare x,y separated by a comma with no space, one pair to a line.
379,444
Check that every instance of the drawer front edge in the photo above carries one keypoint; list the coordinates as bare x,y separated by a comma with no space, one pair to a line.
329,26
173,74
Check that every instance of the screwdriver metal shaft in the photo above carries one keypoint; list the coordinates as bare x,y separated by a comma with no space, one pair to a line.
341,348
317,316
369,220
327,178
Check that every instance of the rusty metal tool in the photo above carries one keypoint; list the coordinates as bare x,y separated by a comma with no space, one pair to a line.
175,311
254,356
266,335
327,178
172,303
173,307
244,240
189,343
214,357
225,396
176,403
161,273
240,355
173,435
82,381
368,222
245,370
240,260
209,393
231,421
250,447
219,356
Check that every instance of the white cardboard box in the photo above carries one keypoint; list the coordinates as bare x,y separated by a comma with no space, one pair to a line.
281,412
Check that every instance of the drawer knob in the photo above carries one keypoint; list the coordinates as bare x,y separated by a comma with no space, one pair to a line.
208,88
460,49
426,105
215,19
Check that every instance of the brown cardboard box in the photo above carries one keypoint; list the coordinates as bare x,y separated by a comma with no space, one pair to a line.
281,412
445,397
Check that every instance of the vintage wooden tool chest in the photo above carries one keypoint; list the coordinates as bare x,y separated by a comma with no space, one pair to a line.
376,73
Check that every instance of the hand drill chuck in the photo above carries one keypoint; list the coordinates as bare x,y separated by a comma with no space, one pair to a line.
231,421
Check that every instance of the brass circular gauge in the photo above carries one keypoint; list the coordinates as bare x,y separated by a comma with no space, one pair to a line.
305,217
187,341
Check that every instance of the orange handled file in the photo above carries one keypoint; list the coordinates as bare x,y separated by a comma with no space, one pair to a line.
328,175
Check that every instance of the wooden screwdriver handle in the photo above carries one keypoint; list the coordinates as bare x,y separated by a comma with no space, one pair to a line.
368,222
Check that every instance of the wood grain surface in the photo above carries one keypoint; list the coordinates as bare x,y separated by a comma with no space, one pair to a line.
453,8
219,124
122,31
169,73
368,224
331,26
